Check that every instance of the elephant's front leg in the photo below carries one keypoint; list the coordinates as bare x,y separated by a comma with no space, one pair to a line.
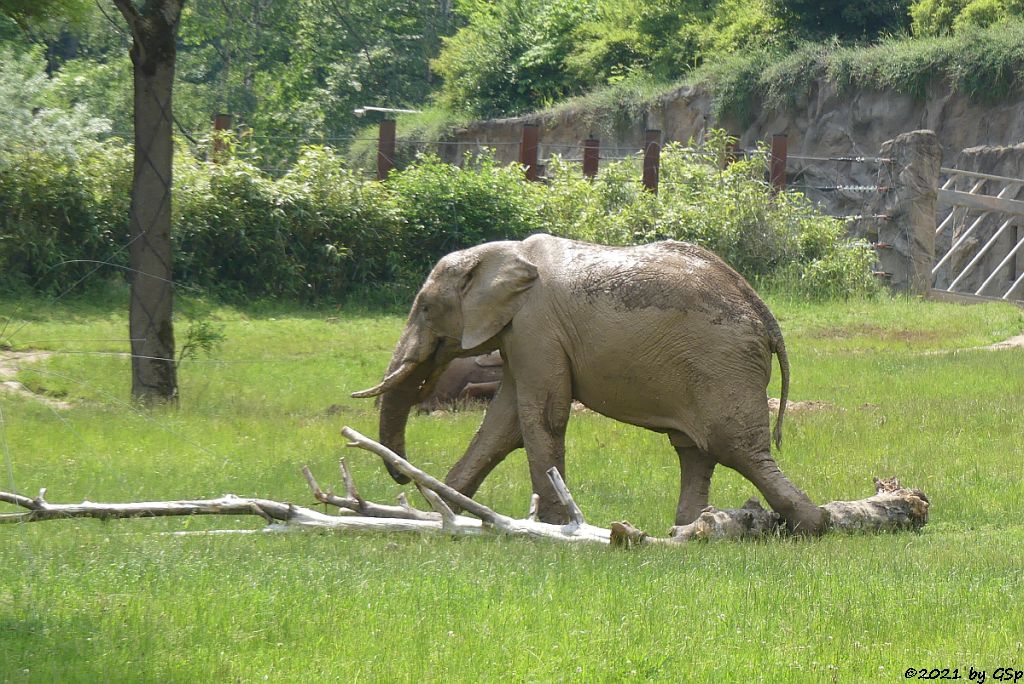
545,400
695,469
497,436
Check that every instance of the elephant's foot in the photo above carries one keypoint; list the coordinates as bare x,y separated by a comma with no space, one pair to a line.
806,519
796,508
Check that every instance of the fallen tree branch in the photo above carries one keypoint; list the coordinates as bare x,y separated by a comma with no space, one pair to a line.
892,508
502,523
229,504
355,503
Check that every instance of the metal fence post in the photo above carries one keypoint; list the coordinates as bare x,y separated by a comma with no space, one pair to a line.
591,155
528,150
777,173
221,127
652,159
385,148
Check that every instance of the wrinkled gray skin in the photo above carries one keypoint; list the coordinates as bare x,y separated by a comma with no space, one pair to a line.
665,336
473,378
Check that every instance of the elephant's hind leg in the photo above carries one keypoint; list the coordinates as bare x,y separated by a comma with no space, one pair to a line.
695,469
785,498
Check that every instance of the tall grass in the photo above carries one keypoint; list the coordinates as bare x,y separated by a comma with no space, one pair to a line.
120,601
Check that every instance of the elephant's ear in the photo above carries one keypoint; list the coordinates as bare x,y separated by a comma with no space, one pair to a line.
492,295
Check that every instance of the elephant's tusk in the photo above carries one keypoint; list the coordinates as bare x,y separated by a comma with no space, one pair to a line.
404,371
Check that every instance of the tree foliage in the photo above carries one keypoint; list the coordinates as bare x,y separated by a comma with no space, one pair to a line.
846,19
944,17
287,71
515,55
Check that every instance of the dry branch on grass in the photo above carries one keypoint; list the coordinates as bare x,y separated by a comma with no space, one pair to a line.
892,508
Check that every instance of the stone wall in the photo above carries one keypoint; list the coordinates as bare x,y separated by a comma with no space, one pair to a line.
821,123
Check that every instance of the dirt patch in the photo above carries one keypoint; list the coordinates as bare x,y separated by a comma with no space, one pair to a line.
800,406
9,364
1012,343
883,334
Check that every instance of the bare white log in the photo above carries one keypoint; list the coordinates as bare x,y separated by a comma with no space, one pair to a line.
502,523
229,504
355,503
562,491
531,514
892,508
285,516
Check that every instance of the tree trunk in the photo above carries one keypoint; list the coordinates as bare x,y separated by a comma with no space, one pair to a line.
153,54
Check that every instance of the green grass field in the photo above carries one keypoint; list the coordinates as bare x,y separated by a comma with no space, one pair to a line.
88,601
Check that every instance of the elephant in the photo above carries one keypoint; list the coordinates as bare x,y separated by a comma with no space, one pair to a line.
665,336
465,379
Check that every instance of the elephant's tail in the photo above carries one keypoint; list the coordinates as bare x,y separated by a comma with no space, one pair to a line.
779,347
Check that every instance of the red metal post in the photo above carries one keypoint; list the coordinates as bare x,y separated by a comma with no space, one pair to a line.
528,150
591,155
777,173
385,148
652,159
221,129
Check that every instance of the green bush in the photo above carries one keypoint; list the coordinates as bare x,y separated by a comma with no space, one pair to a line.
443,208
321,231
315,232
944,17
61,215
728,208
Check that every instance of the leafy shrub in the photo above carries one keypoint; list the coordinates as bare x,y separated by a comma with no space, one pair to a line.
61,216
852,19
727,208
944,17
322,231
63,188
843,271
313,233
509,56
443,208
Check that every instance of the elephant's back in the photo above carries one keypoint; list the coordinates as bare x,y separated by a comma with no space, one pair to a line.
670,278
665,336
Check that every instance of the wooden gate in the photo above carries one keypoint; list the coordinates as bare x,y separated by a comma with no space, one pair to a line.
978,240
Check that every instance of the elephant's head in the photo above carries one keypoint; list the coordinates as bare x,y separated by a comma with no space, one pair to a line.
467,300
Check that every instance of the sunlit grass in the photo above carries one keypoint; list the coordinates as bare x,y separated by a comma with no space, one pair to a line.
120,601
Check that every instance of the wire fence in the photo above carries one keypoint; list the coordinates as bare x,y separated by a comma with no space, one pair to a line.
830,177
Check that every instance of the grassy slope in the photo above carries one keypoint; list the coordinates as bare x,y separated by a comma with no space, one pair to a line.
90,601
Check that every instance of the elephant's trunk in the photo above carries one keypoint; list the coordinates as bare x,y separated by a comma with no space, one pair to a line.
412,365
394,415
